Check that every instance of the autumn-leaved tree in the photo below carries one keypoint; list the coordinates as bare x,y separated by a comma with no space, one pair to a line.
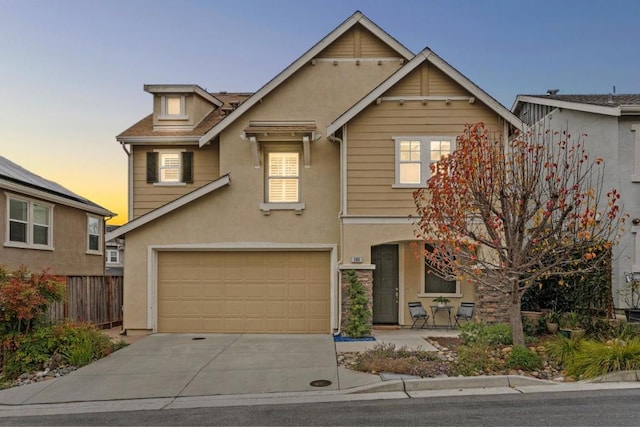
504,215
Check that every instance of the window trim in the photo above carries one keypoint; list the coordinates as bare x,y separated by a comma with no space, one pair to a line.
425,157
289,204
164,115
100,249
423,284
107,256
181,175
29,236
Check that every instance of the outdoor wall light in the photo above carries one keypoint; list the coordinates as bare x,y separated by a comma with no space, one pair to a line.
635,221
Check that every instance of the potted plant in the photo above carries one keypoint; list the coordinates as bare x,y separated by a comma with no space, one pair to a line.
574,325
552,320
631,295
442,301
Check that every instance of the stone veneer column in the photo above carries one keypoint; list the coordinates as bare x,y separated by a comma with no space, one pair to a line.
491,306
365,276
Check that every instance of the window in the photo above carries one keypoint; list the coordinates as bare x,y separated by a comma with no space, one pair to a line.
169,167
94,233
28,223
113,256
173,107
414,156
283,176
434,284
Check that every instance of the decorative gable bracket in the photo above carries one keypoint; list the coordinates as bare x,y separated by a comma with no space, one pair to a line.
259,133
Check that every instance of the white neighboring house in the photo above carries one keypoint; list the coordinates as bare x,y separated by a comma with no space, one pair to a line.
114,254
612,125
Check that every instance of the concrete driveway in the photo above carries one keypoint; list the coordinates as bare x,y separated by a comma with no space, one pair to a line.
176,365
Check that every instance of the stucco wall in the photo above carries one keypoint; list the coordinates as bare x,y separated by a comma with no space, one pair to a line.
69,239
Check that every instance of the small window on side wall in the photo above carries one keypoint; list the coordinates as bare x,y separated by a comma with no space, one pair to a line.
94,234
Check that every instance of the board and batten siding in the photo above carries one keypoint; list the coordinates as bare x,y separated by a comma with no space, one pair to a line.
371,147
149,196
358,42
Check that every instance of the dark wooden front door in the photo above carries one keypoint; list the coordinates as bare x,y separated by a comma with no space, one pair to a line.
385,283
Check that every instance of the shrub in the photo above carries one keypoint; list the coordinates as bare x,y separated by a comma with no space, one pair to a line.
80,343
562,350
598,358
359,322
477,332
523,358
25,296
386,358
474,359
31,352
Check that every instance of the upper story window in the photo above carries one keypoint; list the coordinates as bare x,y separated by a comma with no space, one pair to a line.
170,167
94,234
283,177
29,223
173,107
414,156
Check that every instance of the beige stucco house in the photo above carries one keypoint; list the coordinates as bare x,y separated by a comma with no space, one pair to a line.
47,226
247,209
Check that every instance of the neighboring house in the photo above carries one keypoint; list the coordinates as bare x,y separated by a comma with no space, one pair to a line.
114,254
612,127
48,226
247,210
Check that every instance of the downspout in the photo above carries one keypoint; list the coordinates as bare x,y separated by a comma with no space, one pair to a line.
129,182
335,139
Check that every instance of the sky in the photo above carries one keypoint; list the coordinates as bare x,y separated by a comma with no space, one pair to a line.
72,72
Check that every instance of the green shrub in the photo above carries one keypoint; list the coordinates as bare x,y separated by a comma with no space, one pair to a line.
596,358
80,343
523,358
494,334
31,352
474,359
358,323
562,350
534,327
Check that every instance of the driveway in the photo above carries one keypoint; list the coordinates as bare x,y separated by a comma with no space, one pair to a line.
176,365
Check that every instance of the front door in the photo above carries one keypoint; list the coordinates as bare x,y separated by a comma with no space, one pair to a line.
385,283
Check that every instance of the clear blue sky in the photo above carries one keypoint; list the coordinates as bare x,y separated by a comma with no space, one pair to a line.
72,71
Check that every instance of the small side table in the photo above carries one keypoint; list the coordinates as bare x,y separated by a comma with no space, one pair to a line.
435,309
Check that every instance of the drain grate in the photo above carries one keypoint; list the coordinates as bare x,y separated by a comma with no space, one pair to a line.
197,338
320,383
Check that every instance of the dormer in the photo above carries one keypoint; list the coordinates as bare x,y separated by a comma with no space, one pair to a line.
180,107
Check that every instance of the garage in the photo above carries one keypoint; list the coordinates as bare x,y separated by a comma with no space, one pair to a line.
244,291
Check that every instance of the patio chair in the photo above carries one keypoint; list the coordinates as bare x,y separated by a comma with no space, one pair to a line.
417,313
465,312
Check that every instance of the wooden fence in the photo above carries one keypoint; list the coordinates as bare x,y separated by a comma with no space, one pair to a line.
95,299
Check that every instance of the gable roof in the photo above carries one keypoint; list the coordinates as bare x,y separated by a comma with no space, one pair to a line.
356,18
609,104
169,207
16,178
442,65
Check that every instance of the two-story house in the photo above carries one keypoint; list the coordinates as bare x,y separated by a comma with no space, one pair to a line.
247,209
610,128
47,226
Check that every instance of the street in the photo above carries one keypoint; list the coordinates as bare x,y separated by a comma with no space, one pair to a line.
596,408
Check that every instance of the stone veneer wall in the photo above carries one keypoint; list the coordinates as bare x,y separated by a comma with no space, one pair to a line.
366,279
491,306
